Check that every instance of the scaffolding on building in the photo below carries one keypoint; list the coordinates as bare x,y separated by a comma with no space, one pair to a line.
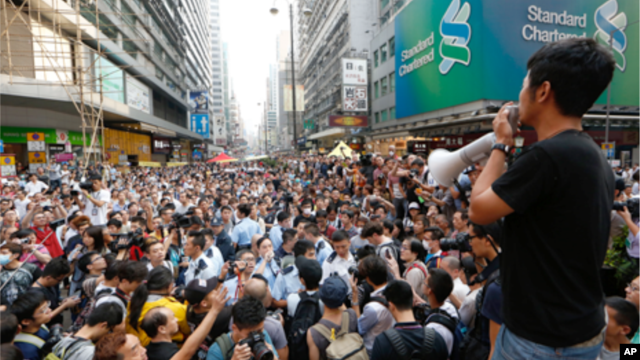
61,43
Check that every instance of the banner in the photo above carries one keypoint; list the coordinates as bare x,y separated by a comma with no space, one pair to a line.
138,95
354,72
220,130
288,96
199,102
343,121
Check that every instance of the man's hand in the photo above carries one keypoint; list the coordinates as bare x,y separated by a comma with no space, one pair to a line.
625,214
502,127
85,192
218,299
241,352
70,302
393,266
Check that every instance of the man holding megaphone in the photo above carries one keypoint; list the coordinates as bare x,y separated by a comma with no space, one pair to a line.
556,201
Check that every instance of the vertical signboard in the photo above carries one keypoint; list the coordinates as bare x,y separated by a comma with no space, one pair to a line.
220,130
199,102
138,95
200,125
354,85
288,98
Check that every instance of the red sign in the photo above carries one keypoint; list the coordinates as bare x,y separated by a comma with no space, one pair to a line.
354,121
355,146
64,157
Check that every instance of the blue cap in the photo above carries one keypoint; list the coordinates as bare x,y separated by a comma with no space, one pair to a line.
216,221
333,292
469,169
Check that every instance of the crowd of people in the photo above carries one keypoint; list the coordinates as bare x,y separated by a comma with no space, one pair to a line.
351,257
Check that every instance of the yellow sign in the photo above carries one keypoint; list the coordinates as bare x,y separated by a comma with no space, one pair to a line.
38,157
7,160
608,146
37,136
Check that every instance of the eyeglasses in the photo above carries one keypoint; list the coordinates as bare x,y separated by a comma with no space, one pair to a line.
249,260
45,310
96,259
471,237
632,287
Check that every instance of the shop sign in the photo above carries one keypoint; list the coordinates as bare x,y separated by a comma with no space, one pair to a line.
354,98
356,146
302,140
7,165
358,121
354,72
161,145
18,135
63,157
419,147
62,136
123,159
37,157
56,148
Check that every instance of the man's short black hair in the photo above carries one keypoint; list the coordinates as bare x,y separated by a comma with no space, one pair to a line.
8,327
494,229
441,283
626,313
85,261
370,228
436,233
109,312
26,304
112,266
248,312
57,267
197,239
282,216
374,268
153,320
140,221
133,271
115,222
301,247
245,209
288,235
399,293
578,69
321,214
417,162
340,235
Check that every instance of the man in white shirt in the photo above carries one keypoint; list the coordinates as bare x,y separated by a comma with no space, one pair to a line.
185,203
451,265
94,204
340,259
21,203
200,266
34,185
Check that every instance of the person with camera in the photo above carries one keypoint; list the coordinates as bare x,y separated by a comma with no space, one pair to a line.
247,338
161,325
32,252
200,266
241,271
407,337
95,200
15,277
103,320
44,233
550,224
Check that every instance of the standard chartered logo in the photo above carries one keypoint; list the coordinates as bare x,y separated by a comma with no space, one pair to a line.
456,34
610,31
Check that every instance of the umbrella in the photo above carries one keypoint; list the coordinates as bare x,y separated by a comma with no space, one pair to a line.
222,158
342,146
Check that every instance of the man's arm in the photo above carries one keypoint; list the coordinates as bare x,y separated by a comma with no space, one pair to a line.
27,218
485,205
314,353
192,344
96,202
81,204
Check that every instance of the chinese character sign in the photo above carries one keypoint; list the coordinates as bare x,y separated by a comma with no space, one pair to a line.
354,72
354,98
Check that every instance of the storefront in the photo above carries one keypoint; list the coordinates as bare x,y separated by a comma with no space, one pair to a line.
198,152
126,148
161,149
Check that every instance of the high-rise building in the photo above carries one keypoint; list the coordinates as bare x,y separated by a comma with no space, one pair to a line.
217,62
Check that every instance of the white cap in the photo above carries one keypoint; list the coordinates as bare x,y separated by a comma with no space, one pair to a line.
414,205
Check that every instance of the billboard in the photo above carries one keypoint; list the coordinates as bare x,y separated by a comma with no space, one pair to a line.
199,102
354,72
452,52
220,130
354,98
354,121
200,125
112,79
138,95
288,98
161,145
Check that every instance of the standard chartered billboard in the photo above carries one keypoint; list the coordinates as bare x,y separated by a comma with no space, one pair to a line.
451,52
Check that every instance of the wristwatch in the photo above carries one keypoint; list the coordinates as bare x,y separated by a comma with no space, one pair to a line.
502,147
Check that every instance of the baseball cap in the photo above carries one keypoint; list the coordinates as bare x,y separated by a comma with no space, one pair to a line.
333,292
216,221
620,184
469,170
414,205
197,289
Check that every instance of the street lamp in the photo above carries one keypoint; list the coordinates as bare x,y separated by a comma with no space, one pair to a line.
307,12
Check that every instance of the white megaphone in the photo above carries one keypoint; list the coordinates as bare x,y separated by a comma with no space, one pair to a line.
445,166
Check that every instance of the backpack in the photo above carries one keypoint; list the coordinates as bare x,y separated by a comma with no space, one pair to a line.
88,308
343,345
396,254
429,350
67,351
472,346
307,314
455,326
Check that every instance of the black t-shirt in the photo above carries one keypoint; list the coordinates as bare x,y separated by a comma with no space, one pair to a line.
161,350
554,243
311,218
412,333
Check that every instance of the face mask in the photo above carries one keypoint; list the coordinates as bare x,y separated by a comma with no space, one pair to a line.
5,259
306,211
390,153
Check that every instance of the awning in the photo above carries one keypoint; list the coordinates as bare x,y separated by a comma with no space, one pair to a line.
214,148
149,164
171,164
327,133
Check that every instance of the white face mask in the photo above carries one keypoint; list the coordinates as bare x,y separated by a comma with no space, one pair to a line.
390,153
426,246
306,211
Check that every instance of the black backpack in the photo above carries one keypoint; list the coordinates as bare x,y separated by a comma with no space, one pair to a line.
443,318
307,314
433,346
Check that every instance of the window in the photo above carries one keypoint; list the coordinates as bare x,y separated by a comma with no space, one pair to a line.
383,4
383,53
376,90
377,118
392,113
375,59
383,85
384,115
392,82
392,47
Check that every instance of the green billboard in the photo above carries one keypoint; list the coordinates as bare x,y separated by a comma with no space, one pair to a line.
18,135
451,52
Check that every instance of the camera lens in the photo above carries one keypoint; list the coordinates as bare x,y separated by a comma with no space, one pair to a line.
261,351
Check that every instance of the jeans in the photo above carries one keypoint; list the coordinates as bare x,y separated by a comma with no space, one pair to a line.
55,184
398,203
510,346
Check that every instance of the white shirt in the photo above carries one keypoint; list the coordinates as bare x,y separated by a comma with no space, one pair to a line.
98,215
182,209
32,188
65,176
215,255
205,272
338,265
293,300
21,206
460,290
166,264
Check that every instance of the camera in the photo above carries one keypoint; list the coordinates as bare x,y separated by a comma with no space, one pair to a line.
255,341
366,160
75,193
275,314
87,185
179,221
421,312
631,204
133,238
460,242
55,336
469,267
413,173
56,223
353,270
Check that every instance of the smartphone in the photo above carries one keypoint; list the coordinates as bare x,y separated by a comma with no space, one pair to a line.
514,118
388,255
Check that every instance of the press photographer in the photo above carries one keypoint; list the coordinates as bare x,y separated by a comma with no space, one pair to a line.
95,199
553,223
